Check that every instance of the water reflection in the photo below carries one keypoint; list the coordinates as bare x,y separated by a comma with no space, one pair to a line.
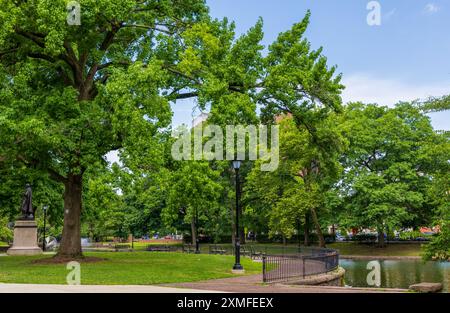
398,274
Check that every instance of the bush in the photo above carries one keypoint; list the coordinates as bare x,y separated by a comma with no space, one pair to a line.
439,247
365,237
412,235
6,234
294,239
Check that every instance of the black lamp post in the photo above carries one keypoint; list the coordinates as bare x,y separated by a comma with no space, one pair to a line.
197,240
45,226
237,266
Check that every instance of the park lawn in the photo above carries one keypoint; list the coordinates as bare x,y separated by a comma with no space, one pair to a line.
136,268
144,245
397,249
345,248
3,244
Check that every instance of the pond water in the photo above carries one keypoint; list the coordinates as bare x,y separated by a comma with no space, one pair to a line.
398,274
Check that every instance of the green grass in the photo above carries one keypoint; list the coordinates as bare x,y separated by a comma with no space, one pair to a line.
345,248
138,268
143,245
397,249
3,244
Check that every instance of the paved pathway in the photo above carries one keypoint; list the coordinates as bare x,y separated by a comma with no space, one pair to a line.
34,288
252,284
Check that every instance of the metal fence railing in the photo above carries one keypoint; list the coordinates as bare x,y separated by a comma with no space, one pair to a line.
306,262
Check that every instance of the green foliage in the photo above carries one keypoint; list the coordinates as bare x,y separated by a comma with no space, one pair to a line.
436,104
439,247
392,157
71,94
6,233
284,197
194,193
410,235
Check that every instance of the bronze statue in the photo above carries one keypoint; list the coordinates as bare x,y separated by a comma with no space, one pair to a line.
27,204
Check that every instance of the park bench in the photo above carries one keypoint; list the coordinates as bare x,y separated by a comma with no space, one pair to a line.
161,248
122,247
188,248
256,254
246,251
215,249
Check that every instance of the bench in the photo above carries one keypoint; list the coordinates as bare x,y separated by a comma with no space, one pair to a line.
255,254
161,248
246,251
188,248
215,249
122,247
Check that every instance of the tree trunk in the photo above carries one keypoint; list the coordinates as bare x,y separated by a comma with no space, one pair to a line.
71,237
318,229
307,241
193,231
381,242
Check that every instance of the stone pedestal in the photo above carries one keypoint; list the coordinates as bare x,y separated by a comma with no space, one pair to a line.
25,239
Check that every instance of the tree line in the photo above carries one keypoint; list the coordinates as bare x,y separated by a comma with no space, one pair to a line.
71,94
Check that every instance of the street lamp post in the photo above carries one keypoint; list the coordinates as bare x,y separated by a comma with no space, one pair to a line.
237,266
197,241
45,226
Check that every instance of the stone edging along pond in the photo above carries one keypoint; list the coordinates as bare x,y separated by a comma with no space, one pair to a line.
378,257
333,278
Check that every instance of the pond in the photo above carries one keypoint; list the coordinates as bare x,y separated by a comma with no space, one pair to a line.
398,273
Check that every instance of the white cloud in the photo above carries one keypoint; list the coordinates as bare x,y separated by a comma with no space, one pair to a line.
388,91
431,8
369,89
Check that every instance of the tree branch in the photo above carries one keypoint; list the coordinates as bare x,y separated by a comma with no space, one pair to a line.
56,176
41,56
186,95
31,36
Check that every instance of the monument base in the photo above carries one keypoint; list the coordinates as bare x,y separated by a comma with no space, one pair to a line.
25,239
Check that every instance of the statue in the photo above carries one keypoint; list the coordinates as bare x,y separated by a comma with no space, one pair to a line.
27,205
25,228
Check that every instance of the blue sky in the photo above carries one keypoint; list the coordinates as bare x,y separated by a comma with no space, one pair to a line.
405,58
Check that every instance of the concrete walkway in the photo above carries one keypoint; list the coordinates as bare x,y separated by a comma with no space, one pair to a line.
34,288
216,286
252,284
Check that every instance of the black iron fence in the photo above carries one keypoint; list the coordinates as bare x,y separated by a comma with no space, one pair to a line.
294,266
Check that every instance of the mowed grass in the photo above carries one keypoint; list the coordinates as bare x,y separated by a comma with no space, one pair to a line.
345,248
397,249
137,268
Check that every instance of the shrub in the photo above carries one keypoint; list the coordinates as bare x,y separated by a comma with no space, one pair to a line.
6,234
365,237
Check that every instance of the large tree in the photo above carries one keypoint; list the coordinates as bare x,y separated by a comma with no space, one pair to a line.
70,94
194,195
296,192
392,158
